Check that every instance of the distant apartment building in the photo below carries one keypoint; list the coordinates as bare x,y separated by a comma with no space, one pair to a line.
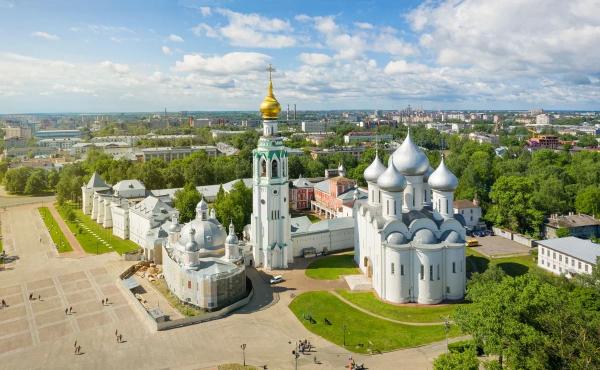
169,154
57,134
313,126
567,256
59,143
365,137
543,119
355,151
217,134
482,138
544,142
17,132
579,225
201,122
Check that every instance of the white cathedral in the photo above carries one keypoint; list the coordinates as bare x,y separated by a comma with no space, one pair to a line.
407,238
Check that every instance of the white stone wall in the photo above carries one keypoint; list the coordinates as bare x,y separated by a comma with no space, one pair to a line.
120,221
331,240
138,228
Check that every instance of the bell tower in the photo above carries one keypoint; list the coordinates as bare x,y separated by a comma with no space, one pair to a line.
270,223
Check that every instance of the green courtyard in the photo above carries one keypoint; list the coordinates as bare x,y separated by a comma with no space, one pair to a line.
332,267
58,238
513,266
93,238
358,331
410,313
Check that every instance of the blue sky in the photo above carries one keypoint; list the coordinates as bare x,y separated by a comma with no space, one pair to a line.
210,55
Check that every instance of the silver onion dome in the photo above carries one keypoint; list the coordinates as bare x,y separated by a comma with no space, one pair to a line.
443,179
231,238
391,180
409,159
375,169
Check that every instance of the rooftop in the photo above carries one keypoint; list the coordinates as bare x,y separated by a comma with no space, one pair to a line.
582,249
572,220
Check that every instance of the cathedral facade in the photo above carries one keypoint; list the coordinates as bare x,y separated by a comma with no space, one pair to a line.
407,239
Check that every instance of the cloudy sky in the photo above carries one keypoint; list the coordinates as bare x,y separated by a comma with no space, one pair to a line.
140,55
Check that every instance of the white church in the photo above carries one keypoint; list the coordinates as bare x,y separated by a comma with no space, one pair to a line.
407,239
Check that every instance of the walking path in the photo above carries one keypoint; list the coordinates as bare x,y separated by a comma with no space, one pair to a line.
383,317
77,249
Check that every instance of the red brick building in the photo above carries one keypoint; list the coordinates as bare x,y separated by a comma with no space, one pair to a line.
301,194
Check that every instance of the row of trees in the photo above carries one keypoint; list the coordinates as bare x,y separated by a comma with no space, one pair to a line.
533,321
30,181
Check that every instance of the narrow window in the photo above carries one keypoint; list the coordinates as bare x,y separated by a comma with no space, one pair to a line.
387,207
189,284
274,169
438,272
560,257
422,272
586,268
392,269
263,167
401,270
454,267
431,272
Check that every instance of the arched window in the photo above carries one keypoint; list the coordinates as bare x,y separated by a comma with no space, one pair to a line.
274,169
263,167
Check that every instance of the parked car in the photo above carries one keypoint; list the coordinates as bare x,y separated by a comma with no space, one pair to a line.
276,279
472,243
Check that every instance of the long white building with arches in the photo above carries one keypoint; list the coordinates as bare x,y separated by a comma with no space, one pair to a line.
407,238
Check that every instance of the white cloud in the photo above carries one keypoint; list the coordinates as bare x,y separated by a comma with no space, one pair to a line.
166,50
231,63
175,38
402,66
523,38
315,59
205,11
115,67
45,36
364,25
204,29
108,29
250,30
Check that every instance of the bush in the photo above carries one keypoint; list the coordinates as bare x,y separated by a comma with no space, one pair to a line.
457,361
461,346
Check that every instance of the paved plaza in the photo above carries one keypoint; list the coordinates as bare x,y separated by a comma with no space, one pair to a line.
497,246
38,334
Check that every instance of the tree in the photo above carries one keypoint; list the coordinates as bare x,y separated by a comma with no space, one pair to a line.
185,201
36,182
512,205
235,206
588,201
15,179
562,232
457,361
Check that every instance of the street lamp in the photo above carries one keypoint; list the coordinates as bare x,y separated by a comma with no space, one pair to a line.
295,354
344,329
446,329
243,347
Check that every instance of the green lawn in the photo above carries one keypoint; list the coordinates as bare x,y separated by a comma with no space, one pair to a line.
368,301
59,239
364,333
88,241
331,267
513,266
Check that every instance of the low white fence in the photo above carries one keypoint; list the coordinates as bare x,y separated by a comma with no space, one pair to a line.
517,238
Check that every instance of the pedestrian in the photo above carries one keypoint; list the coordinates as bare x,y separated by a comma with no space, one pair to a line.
116,332
117,338
39,297
30,296
71,309
4,303
103,302
66,311
78,350
315,359
120,338
106,300
75,344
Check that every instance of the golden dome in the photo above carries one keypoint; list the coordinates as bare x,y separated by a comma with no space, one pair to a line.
270,107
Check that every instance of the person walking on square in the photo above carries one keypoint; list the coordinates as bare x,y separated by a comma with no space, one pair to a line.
75,344
71,309
66,311
103,302
30,296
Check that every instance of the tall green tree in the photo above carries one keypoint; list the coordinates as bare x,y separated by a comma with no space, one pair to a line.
185,201
235,206
588,201
37,182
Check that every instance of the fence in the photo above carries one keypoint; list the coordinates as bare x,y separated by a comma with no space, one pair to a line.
517,238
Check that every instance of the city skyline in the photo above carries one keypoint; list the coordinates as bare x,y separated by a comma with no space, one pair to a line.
211,56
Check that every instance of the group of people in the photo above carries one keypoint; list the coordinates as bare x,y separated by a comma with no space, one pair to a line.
69,310
304,346
31,297
118,336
